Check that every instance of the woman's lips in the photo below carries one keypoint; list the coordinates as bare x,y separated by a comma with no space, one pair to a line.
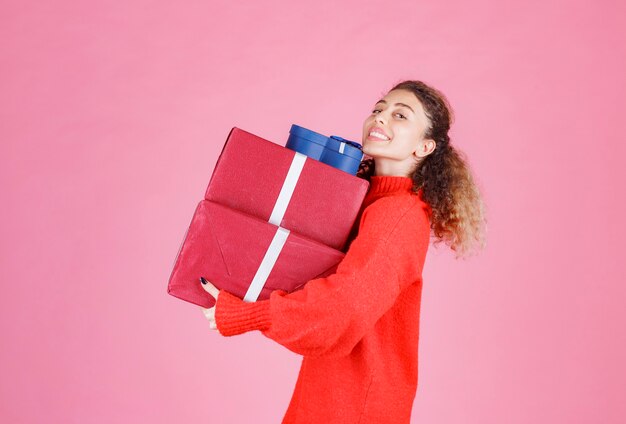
374,138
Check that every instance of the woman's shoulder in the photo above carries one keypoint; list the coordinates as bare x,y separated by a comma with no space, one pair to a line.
398,205
387,213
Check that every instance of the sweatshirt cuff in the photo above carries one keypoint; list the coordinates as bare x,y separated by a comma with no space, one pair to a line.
234,316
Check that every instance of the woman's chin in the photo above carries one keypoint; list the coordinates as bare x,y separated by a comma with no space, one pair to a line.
370,150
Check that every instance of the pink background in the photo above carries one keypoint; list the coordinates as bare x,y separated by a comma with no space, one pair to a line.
112,115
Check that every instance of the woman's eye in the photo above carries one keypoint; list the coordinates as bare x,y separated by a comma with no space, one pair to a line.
397,113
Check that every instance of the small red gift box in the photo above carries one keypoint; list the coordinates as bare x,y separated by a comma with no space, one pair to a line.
244,255
285,188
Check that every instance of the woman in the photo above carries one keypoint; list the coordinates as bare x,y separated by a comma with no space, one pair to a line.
358,328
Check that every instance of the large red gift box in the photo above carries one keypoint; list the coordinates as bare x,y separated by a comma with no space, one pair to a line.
246,256
281,186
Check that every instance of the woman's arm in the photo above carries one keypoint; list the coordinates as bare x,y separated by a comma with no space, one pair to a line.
329,315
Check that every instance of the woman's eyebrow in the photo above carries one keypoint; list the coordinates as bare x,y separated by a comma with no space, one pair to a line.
397,104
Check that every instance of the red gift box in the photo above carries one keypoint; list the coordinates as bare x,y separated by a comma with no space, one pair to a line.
244,255
285,188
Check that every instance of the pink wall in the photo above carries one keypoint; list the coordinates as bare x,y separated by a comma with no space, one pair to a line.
112,115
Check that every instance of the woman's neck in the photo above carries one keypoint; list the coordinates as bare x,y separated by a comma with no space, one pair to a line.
387,185
385,167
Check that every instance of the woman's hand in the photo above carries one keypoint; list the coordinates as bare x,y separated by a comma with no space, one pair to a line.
214,292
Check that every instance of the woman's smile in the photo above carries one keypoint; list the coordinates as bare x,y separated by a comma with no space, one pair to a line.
377,133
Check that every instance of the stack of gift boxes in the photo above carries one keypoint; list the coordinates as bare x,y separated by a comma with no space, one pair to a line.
272,217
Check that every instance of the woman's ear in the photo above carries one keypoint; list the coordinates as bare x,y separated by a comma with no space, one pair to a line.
425,147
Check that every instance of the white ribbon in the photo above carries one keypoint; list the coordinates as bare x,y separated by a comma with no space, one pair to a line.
280,237
289,185
271,255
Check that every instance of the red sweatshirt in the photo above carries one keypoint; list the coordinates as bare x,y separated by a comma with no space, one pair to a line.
357,329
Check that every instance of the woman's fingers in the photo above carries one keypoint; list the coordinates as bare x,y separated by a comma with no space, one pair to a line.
210,316
209,288
210,312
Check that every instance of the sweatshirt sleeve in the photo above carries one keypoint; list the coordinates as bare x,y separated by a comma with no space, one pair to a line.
329,315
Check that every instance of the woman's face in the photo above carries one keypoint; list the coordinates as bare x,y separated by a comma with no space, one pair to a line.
400,118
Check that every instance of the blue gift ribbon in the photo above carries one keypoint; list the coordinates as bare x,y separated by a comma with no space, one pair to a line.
343,140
